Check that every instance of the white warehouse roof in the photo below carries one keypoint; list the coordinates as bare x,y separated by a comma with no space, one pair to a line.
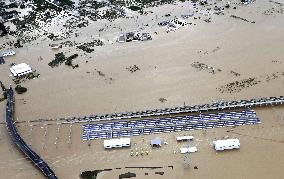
114,143
226,144
20,69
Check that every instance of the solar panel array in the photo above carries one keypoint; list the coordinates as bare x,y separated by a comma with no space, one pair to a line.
138,127
221,105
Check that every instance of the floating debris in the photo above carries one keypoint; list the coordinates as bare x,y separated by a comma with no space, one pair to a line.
237,17
234,73
237,86
133,68
162,100
202,66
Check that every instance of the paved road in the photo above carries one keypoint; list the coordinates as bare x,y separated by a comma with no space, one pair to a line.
20,142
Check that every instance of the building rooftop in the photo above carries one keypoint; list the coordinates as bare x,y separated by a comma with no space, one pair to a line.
20,69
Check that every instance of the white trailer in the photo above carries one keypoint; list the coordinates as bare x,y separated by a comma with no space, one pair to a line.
227,144
185,138
116,143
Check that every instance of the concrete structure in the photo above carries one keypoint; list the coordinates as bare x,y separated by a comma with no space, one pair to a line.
117,143
20,69
220,145
185,138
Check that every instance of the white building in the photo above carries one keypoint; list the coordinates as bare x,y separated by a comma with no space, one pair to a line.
20,69
185,138
226,144
115,143
8,53
188,150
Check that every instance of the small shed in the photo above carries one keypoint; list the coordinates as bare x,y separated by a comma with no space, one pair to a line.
156,142
20,69
185,138
117,143
227,144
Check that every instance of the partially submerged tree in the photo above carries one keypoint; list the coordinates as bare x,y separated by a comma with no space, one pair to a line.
20,89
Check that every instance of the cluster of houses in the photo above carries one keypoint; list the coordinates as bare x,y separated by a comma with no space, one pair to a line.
133,36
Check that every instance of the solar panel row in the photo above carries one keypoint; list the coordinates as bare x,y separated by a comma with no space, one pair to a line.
165,125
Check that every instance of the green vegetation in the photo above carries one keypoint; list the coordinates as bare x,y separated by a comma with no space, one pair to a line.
18,44
4,92
66,3
89,175
92,174
60,58
135,8
51,36
127,175
13,5
42,5
111,15
86,46
28,76
20,89
69,60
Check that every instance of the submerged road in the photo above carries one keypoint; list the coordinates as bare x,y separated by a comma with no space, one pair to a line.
17,139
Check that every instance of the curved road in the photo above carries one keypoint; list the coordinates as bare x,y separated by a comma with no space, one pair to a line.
45,169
